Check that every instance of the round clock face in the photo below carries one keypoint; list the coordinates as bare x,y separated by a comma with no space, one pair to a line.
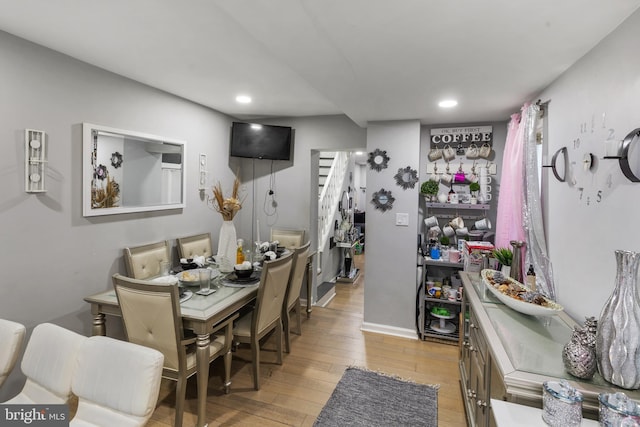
591,174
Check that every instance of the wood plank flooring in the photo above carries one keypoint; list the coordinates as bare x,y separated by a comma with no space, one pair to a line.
293,394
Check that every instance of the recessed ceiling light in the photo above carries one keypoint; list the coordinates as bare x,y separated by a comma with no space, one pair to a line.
243,99
447,103
256,126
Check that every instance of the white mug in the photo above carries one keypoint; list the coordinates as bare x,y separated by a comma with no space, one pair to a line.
462,231
435,229
485,180
457,222
446,178
486,197
483,224
431,221
454,255
448,230
453,294
453,198
473,178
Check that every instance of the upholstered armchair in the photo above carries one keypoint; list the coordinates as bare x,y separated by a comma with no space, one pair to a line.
48,363
267,313
292,299
152,318
193,246
117,383
143,262
12,337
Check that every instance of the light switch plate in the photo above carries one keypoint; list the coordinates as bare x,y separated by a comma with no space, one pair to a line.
402,219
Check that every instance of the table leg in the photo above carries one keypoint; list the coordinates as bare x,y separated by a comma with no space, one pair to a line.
202,361
98,326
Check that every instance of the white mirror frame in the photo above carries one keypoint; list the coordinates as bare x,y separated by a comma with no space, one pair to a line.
88,170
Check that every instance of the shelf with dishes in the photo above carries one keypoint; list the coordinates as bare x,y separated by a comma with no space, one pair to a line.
442,320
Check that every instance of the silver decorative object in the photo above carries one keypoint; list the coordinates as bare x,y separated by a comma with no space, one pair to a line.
618,335
616,409
579,354
561,404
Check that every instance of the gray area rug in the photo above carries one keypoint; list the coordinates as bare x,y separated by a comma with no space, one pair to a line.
367,398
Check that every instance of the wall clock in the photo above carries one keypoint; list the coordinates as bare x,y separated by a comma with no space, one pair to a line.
590,174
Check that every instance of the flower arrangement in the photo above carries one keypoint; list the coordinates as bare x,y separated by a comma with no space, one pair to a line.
227,206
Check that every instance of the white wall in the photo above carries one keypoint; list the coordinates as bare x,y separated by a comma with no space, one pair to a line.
390,264
582,238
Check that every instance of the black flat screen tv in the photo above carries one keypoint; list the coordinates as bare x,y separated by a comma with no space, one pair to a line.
256,141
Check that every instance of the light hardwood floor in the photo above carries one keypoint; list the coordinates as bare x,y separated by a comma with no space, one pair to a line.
294,393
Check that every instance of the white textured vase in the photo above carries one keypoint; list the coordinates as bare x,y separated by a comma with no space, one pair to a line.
227,247
618,334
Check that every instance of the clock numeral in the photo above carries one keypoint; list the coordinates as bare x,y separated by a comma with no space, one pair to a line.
588,200
609,181
604,118
576,143
580,191
599,196
583,127
593,123
611,132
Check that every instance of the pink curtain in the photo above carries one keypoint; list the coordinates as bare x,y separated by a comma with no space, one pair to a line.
510,201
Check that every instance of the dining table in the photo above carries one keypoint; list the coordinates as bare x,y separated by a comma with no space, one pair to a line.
200,314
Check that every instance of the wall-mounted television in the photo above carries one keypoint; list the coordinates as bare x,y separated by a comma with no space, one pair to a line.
257,141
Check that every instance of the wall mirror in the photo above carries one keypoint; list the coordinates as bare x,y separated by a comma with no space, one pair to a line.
125,171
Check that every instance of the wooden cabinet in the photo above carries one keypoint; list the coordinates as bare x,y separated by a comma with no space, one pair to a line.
507,356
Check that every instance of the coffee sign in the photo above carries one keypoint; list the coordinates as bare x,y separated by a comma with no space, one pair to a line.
462,135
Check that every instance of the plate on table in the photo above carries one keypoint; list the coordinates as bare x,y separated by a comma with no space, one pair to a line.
517,296
165,280
185,294
192,277
233,280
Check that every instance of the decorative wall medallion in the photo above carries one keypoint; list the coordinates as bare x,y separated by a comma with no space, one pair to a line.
406,178
383,200
378,160
100,172
116,160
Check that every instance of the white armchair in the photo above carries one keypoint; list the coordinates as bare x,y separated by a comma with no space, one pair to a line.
11,337
48,364
117,383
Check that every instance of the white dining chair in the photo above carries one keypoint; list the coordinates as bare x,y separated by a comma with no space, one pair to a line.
48,364
289,238
193,246
267,314
292,299
117,383
12,337
143,262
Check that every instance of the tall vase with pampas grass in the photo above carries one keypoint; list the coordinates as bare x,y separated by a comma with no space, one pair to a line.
227,242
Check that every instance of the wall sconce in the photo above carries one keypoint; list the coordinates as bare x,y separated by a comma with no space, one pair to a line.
554,164
202,172
35,161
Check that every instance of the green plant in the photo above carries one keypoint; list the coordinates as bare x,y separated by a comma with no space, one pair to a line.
444,241
474,186
503,255
430,187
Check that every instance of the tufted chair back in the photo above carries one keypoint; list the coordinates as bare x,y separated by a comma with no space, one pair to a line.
192,246
290,239
11,336
143,262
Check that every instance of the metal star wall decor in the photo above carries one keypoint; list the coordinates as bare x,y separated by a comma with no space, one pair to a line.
406,177
383,200
378,160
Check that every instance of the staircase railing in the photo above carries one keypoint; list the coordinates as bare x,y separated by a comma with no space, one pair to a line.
330,196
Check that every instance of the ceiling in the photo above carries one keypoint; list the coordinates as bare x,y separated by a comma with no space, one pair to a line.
368,59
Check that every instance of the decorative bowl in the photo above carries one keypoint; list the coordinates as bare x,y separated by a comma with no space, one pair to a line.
243,273
549,309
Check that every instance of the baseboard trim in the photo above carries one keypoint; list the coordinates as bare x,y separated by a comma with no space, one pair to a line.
326,298
389,330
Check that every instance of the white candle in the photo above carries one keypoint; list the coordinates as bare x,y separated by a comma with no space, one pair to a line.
258,231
